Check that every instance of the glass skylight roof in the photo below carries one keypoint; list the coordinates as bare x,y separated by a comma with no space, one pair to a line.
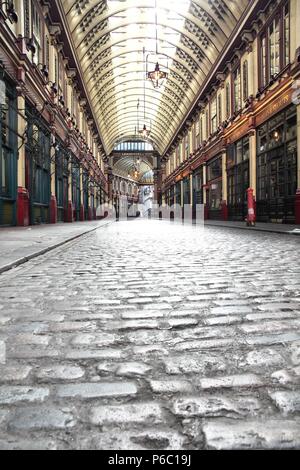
115,41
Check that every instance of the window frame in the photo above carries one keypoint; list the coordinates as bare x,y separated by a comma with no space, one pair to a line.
234,106
264,62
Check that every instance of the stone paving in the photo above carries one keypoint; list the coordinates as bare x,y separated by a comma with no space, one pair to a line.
18,244
151,335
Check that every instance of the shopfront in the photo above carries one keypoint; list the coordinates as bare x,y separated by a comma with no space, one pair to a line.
238,178
214,187
8,154
85,187
198,186
197,189
186,190
277,168
76,193
178,193
38,165
61,182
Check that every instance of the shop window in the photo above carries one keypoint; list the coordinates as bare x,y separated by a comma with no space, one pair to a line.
76,186
178,193
262,177
5,171
276,131
239,152
62,172
40,150
198,182
214,169
215,195
186,191
7,139
291,126
291,164
262,138
277,167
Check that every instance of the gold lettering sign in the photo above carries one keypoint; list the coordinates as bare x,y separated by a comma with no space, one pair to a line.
274,108
238,133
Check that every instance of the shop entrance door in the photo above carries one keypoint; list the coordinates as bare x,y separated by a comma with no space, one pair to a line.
238,183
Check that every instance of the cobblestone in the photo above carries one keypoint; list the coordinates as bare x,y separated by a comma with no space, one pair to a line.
148,413
271,434
42,418
288,401
15,443
14,374
216,405
60,372
170,386
148,335
93,390
13,394
246,380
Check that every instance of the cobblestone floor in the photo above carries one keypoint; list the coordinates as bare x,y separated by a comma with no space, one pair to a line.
147,335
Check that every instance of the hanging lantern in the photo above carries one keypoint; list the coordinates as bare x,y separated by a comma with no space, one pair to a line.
157,76
144,132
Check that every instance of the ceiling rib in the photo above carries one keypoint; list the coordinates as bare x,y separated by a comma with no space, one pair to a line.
109,37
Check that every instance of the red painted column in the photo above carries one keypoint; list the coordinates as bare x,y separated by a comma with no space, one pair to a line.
53,210
23,207
81,214
90,213
95,213
297,207
70,214
224,210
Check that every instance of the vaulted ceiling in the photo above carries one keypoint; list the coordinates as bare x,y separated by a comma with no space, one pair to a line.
115,39
127,166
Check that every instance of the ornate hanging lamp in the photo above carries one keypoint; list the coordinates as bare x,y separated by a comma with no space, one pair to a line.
157,76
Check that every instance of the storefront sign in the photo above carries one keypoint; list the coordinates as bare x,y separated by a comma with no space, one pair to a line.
273,108
214,150
185,173
238,133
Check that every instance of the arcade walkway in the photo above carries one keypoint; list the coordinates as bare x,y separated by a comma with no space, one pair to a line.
146,335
